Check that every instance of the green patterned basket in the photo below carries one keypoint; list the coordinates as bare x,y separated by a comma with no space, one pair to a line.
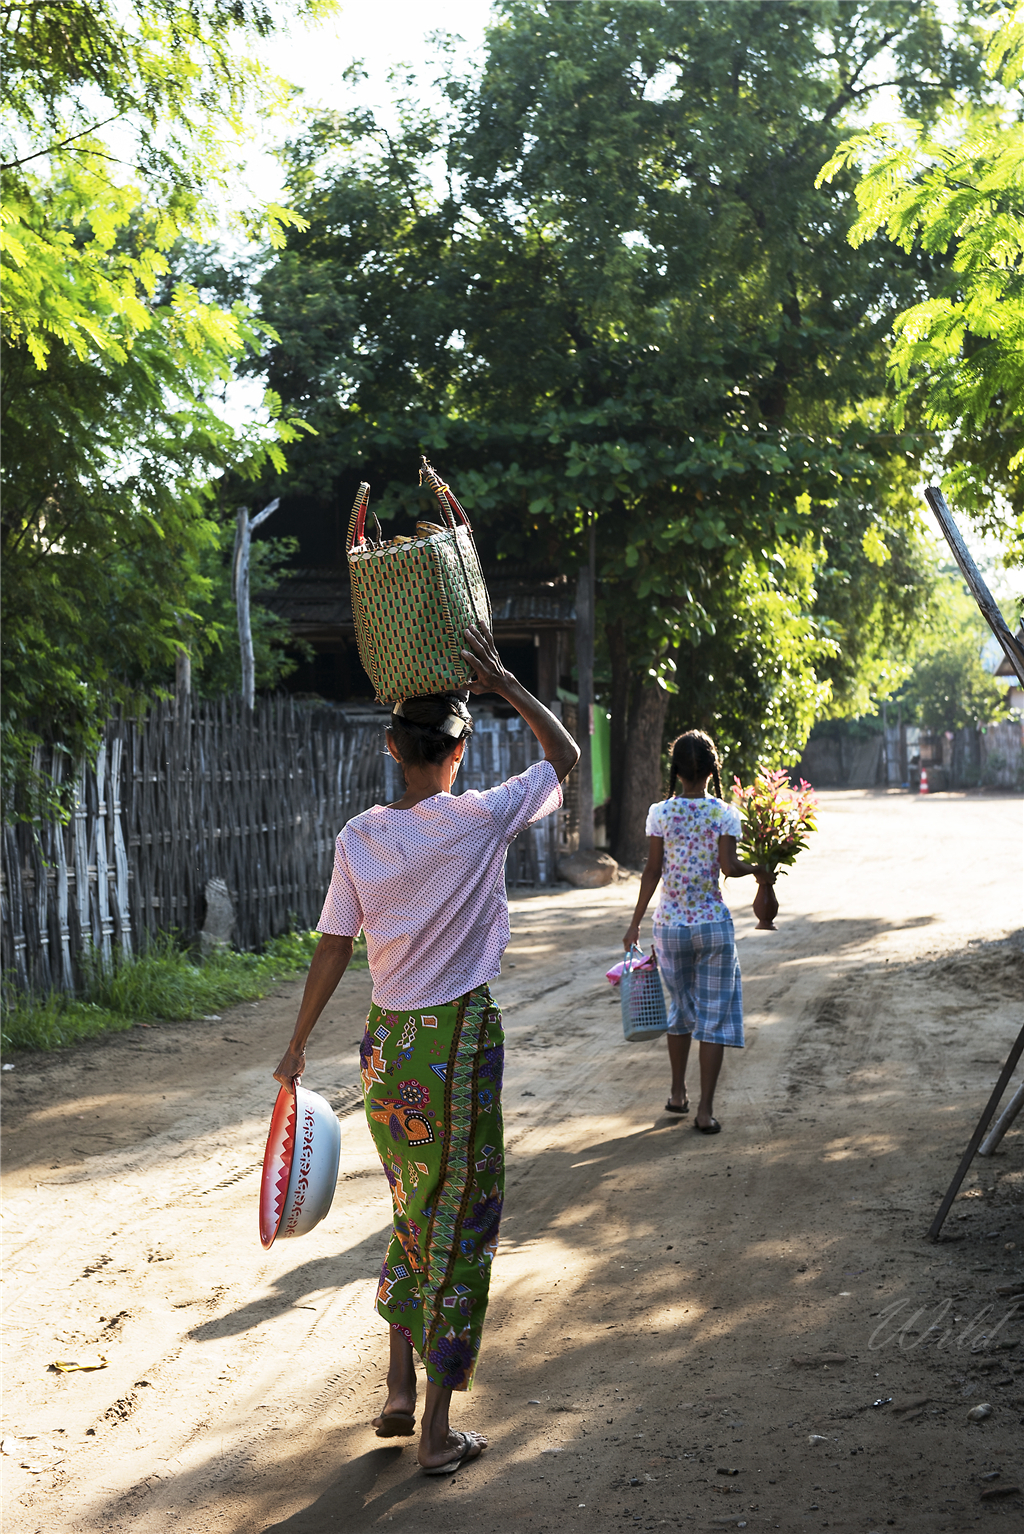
414,598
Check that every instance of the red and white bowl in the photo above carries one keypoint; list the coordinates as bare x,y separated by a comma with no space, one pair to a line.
300,1164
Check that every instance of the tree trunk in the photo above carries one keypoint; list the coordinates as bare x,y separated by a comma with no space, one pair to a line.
618,723
585,693
642,783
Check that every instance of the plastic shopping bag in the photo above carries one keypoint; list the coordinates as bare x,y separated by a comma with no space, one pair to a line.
643,1000
614,975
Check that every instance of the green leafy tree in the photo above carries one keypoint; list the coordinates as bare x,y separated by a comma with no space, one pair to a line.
171,79
954,190
755,680
949,688
630,303
115,364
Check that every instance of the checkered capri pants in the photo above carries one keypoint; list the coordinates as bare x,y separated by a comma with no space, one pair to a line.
701,974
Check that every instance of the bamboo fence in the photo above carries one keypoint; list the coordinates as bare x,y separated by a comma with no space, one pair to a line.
191,793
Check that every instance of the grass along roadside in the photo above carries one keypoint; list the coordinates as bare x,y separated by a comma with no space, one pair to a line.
165,984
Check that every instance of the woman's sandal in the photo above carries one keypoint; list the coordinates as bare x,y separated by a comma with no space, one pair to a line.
713,1128
394,1424
465,1455
671,1107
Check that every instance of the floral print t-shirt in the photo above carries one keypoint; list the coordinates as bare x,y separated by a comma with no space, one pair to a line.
690,828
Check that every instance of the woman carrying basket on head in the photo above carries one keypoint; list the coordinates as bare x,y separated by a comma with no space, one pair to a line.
692,837
424,879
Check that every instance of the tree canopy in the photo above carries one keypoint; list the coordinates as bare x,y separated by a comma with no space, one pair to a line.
115,430
630,301
954,188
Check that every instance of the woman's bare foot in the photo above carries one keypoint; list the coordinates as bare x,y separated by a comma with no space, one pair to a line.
458,1449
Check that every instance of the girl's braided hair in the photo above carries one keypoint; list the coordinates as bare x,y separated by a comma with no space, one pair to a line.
427,730
695,759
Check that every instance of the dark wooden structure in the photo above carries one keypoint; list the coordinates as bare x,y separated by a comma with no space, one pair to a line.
534,618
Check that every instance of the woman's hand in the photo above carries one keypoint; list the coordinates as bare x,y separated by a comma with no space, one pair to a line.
481,653
292,1065
764,875
631,936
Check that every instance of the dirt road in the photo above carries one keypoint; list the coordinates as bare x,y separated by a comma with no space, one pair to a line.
652,1287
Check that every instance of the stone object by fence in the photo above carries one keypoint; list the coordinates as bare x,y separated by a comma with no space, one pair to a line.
219,924
211,792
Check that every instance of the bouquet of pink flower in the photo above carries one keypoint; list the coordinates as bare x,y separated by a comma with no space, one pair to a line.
777,819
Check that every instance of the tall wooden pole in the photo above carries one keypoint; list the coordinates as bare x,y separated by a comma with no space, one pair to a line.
585,688
240,592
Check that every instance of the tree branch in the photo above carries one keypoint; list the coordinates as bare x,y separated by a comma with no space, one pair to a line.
53,148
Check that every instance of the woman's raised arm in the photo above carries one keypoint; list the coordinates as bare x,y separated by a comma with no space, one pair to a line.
557,744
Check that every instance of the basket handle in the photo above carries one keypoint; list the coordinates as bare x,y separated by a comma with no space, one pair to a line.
633,948
357,521
450,507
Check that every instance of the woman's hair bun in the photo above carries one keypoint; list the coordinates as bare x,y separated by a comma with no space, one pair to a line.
434,709
426,730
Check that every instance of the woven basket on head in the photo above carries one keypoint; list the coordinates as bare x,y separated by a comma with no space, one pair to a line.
413,599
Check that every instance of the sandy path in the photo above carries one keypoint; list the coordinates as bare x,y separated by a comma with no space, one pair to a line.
652,1285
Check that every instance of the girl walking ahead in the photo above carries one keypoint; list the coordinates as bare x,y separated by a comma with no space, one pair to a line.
693,839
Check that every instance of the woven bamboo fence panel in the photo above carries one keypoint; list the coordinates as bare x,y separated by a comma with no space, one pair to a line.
192,793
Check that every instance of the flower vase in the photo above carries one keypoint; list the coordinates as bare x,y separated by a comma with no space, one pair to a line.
766,907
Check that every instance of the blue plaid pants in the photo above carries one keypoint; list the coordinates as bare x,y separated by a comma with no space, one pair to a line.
701,974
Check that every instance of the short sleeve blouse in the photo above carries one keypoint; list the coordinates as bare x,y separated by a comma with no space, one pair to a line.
690,828
427,886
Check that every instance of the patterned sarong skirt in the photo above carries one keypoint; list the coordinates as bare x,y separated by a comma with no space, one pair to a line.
432,1090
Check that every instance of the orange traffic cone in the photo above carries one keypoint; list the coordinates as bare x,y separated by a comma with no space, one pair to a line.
924,780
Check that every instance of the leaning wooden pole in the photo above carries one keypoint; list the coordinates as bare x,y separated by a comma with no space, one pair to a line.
1013,649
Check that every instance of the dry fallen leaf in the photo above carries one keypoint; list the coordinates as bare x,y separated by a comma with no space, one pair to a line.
68,1365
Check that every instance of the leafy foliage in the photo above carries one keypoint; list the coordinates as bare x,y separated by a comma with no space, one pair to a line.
949,688
114,428
108,502
755,680
956,189
632,303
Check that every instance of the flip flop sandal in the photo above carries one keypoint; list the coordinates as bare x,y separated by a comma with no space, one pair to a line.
394,1424
465,1456
714,1128
671,1107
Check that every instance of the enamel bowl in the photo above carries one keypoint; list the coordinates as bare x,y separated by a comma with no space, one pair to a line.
300,1164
